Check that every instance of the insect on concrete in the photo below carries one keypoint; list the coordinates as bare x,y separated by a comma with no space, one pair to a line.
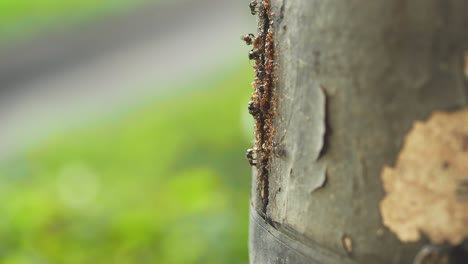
249,38
260,73
253,7
261,89
251,157
254,54
253,109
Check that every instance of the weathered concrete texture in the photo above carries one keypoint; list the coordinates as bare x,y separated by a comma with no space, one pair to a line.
352,78
281,245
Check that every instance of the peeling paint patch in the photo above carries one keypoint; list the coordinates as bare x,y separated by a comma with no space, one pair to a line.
318,182
326,131
426,190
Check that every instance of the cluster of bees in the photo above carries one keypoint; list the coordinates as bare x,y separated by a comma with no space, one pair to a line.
254,54
261,53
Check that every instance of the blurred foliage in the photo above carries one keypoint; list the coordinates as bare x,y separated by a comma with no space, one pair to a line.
164,183
19,18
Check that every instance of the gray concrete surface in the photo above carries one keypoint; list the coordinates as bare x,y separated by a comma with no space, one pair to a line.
63,78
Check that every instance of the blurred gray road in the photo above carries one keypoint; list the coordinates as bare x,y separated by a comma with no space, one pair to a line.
65,77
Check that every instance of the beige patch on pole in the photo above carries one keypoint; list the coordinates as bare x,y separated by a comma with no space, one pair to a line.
427,190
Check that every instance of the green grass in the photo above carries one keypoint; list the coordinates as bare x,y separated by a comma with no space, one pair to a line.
21,18
165,183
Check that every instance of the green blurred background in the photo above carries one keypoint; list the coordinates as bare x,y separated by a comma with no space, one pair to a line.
22,18
162,181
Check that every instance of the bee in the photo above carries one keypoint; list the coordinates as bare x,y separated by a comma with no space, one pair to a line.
261,89
251,157
249,38
253,109
253,7
260,72
254,54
